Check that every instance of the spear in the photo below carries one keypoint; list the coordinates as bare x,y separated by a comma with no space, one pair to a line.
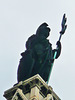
63,28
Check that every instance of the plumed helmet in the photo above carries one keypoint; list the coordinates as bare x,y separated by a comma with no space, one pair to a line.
43,30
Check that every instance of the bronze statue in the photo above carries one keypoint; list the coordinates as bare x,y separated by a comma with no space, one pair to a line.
39,55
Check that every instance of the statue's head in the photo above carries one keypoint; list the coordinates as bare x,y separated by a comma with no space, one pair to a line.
43,30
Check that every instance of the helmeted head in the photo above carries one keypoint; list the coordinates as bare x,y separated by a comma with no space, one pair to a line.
43,30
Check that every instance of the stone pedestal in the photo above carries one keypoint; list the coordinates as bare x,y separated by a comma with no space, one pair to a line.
34,88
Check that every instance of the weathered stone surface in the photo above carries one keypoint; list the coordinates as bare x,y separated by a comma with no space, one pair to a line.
34,88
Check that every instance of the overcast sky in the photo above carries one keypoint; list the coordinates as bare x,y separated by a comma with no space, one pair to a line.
19,19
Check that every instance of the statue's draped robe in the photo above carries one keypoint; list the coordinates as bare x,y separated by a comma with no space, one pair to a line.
37,58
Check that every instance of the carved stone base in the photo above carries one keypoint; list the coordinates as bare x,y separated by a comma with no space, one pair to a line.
34,88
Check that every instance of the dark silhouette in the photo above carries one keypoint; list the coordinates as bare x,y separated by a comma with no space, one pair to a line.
38,57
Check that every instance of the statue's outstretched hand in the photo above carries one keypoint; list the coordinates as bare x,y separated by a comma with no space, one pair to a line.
57,51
